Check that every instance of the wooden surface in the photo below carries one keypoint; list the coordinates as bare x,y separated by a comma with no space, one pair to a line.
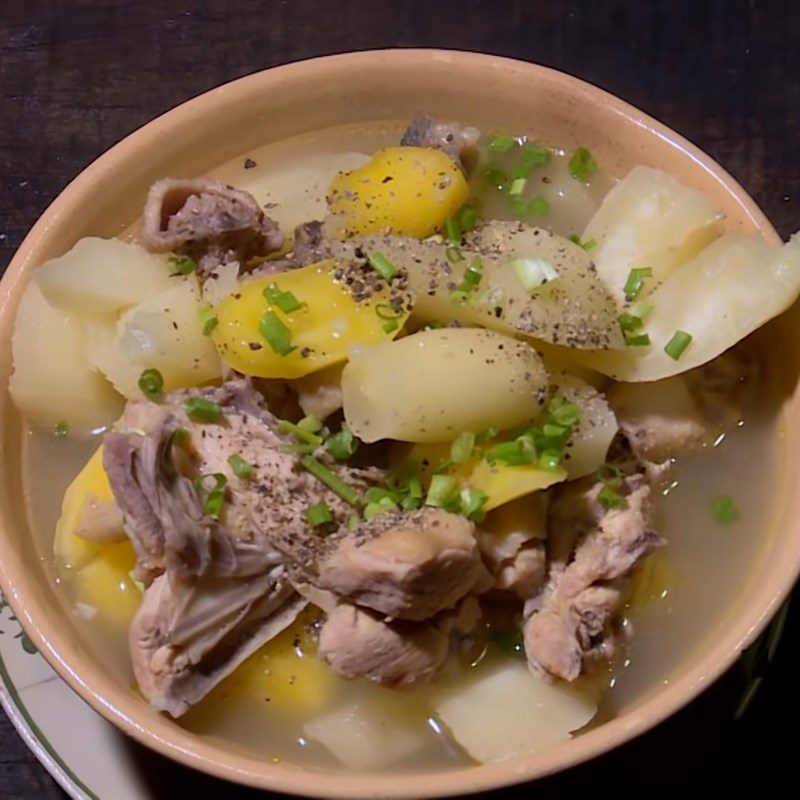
78,76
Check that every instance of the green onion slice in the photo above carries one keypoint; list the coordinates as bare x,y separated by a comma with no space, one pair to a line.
151,383
285,301
343,444
453,253
677,345
633,286
582,165
278,336
182,265
610,498
386,311
382,266
472,502
462,447
517,186
724,509
240,468
637,340
443,492
319,514
60,429
533,272
300,432
453,230
202,409
467,218
502,143
330,479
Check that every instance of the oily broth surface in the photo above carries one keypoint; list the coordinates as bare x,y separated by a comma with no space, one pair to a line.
689,596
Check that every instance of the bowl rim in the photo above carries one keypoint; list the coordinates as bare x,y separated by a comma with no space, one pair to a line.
202,754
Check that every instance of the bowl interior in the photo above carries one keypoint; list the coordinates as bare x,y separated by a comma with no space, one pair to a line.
306,97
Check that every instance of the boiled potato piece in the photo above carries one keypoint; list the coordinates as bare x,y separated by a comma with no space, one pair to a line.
53,381
649,219
98,276
166,333
320,332
431,385
101,347
507,711
285,672
222,281
377,730
71,550
587,448
410,190
723,294
575,309
104,587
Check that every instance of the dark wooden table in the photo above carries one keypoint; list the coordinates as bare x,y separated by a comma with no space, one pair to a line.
78,76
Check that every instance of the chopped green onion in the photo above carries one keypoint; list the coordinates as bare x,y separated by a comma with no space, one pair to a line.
587,245
467,218
502,143
582,165
519,452
377,493
453,230
200,481
724,509
535,154
240,468
524,170
610,474
676,346
472,277
391,326
443,492
180,435
539,205
319,514
182,265
610,498
563,411
454,254
60,430
278,336
151,382
202,409
633,286
550,460
461,449
517,186
381,507
310,423
207,319
629,322
533,272
472,503
382,266
285,301
496,177
386,311
343,444
637,340
214,503
330,479
299,432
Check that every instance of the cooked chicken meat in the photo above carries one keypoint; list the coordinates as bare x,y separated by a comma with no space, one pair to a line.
459,142
592,554
207,220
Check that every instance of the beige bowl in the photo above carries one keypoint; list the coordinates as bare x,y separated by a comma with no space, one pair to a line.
308,96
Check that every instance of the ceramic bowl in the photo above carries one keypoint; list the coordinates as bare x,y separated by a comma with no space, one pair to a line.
309,96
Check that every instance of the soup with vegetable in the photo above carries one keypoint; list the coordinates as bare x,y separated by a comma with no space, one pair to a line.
386,447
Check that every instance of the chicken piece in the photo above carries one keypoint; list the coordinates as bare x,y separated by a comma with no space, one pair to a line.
357,644
667,418
459,142
593,553
407,566
188,635
207,220
309,247
511,541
